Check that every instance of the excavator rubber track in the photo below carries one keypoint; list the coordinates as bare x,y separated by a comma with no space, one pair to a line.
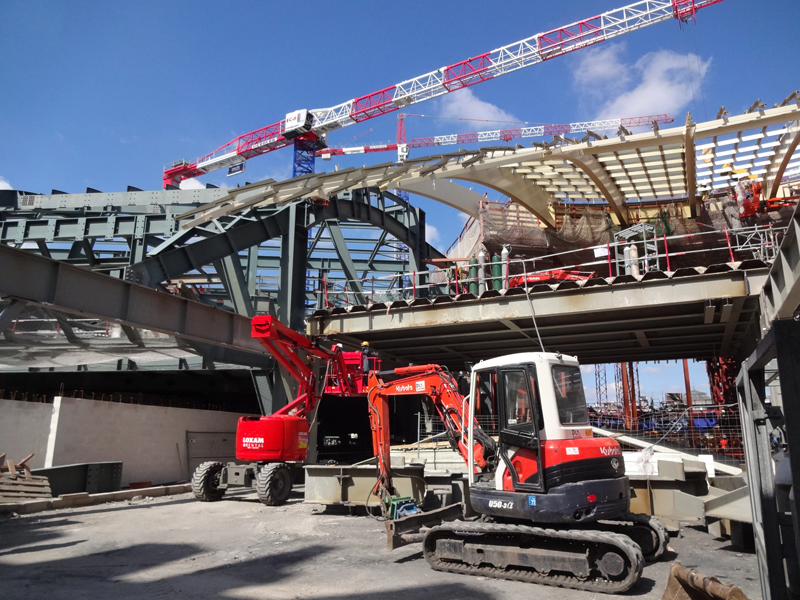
648,532
596,561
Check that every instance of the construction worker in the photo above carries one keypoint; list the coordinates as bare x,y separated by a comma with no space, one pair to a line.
365,354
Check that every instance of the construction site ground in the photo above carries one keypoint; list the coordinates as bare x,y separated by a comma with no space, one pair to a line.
177,547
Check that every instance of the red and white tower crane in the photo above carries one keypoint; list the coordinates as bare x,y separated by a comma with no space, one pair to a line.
307,129
505,135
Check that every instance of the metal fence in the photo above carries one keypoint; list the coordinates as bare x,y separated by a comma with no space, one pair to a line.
713,429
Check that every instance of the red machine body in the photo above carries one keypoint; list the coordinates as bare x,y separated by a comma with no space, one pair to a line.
559,455
282,438
551,275
283,435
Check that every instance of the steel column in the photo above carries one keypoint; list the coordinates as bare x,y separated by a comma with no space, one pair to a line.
294,253
787,350
759,418
232,277
688,385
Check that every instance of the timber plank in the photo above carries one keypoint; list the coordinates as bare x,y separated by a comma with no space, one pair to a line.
32,487
33,478
5,482
8,489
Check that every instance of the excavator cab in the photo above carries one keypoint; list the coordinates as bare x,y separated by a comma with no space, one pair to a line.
549,468
506,406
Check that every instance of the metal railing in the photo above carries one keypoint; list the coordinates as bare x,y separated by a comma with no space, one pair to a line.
748,243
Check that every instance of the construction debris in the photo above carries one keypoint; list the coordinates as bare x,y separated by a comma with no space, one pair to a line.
690,584
17,483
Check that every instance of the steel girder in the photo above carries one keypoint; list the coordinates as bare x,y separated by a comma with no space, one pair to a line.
634,321
105,227
132,201
109,241
780,297
73,290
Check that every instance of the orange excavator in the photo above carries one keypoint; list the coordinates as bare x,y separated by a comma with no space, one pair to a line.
553,500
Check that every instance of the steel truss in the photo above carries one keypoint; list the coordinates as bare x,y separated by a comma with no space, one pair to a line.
247,263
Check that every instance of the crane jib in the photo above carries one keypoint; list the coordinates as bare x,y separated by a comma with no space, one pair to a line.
527,52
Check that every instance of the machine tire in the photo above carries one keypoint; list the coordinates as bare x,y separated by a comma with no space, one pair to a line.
274,484
205,481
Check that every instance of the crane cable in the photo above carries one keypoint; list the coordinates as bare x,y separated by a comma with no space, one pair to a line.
530,303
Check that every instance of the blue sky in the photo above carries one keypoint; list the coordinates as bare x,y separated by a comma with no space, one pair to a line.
655,379
103,94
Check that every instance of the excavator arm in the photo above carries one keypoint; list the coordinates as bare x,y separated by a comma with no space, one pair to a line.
441,389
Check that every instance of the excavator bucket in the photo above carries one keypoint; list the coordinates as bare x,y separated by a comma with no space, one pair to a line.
412,529
689,584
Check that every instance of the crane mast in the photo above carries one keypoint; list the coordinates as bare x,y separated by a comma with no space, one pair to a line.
310,127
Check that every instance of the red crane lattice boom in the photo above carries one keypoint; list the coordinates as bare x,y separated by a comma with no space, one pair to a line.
521,54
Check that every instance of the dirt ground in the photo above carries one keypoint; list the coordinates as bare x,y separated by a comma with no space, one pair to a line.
176,547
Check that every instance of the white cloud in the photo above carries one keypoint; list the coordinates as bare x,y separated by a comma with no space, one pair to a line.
659,82
601,67
431,234
192,184
464,104
651,370
4,185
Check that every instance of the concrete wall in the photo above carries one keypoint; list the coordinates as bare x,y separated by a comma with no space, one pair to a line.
24,427
149,440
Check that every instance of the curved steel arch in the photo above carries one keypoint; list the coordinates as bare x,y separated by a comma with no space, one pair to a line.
776,170
521,191
174,263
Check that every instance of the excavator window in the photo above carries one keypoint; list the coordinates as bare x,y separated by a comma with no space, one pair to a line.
569,395
520,430
536,401
517,400
486,401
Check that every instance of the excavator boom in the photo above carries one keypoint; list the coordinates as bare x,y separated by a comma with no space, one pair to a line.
441,388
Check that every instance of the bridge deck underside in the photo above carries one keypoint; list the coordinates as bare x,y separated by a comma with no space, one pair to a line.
700,316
